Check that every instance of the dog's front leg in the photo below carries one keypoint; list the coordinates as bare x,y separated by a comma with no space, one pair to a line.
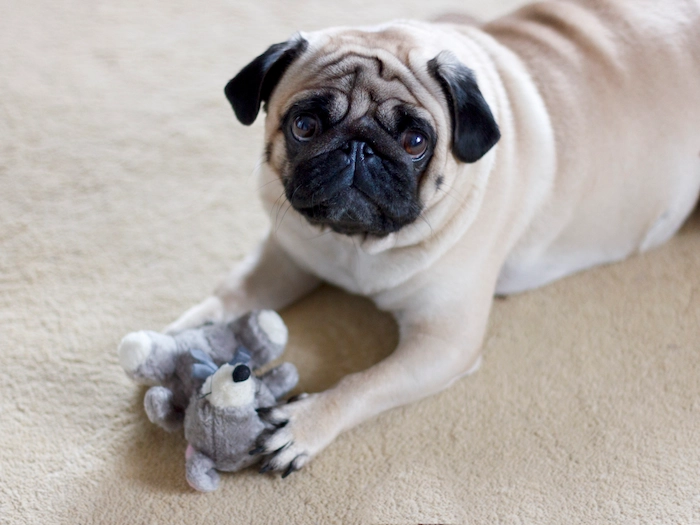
439,343
267,278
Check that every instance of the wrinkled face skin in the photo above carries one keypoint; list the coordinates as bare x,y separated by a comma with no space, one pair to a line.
355,160
357,120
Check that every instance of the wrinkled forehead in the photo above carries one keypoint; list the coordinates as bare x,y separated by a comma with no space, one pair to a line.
362,71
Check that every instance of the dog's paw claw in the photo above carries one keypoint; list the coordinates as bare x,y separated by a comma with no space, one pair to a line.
295,437
286,468
274,416
295,465
297,397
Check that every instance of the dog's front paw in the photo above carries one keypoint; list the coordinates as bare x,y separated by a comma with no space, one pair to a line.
302,428
211,310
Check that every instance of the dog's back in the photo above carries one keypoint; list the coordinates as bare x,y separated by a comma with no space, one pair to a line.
621,81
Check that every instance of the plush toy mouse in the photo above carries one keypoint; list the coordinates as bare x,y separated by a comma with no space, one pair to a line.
179,364
222,421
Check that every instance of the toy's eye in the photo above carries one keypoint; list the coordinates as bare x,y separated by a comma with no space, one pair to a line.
240,373
304,127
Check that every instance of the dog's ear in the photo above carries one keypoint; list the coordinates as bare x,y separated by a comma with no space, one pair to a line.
474,130
254,84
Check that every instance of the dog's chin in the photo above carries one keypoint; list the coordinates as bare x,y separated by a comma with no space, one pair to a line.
350,212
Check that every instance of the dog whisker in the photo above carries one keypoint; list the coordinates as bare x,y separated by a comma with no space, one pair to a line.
284,214
448,191
279,223
267,184
278,206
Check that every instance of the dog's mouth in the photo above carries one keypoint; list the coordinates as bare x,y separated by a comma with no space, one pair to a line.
351,212
356,189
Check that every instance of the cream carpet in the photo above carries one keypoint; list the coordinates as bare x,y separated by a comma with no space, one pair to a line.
126,190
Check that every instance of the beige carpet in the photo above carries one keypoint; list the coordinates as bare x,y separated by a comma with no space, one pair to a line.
126,189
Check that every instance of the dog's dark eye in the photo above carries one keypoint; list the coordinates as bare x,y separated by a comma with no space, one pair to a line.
304,127
414,143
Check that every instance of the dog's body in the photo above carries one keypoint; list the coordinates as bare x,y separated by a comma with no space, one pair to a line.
621,81
598,105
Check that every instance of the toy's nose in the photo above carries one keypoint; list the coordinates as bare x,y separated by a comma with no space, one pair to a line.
240,373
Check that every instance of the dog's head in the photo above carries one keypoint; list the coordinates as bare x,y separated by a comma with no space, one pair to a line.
360,121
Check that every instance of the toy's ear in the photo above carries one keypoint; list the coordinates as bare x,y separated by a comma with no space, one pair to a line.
254,84
474,130
203,365
242,356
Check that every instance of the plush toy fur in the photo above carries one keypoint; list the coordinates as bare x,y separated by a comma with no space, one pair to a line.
204,377
167,361
222,422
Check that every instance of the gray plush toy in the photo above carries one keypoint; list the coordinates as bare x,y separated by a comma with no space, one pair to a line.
168,361
222,421
204,377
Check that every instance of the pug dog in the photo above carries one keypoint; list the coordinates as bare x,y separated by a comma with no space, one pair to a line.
431,166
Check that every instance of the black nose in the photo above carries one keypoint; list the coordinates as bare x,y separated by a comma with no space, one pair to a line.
354,147
240,373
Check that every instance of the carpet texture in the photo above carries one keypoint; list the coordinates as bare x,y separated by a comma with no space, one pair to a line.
127,190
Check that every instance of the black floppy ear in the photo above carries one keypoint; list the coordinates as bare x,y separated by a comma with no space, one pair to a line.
474,130
253,85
